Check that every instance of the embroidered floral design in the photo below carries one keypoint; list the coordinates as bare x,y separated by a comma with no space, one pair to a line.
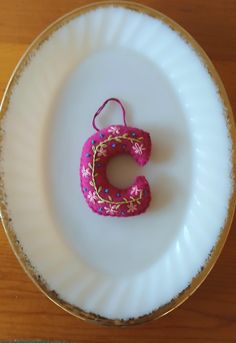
96,195
138,148
131,207
101,151
111,209
92,197
114,130
135,190
85,171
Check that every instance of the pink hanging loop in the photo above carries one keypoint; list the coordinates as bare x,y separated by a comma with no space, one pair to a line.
102,107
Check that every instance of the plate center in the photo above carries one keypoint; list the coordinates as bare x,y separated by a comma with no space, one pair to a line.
120,245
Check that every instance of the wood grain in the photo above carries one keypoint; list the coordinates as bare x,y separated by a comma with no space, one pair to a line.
210,314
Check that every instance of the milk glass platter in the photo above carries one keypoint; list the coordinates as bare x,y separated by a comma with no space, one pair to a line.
117,271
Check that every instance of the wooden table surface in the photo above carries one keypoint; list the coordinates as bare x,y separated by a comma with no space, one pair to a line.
210,314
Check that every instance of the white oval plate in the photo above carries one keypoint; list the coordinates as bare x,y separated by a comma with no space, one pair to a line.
116,268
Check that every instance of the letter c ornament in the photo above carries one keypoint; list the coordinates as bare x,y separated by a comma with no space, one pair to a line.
102,197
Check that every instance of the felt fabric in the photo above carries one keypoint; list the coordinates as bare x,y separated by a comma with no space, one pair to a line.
101,196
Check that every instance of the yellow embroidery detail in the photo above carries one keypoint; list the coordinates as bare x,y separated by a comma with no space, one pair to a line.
93,183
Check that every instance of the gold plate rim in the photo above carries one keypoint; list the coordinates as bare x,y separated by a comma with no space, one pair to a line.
6,221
